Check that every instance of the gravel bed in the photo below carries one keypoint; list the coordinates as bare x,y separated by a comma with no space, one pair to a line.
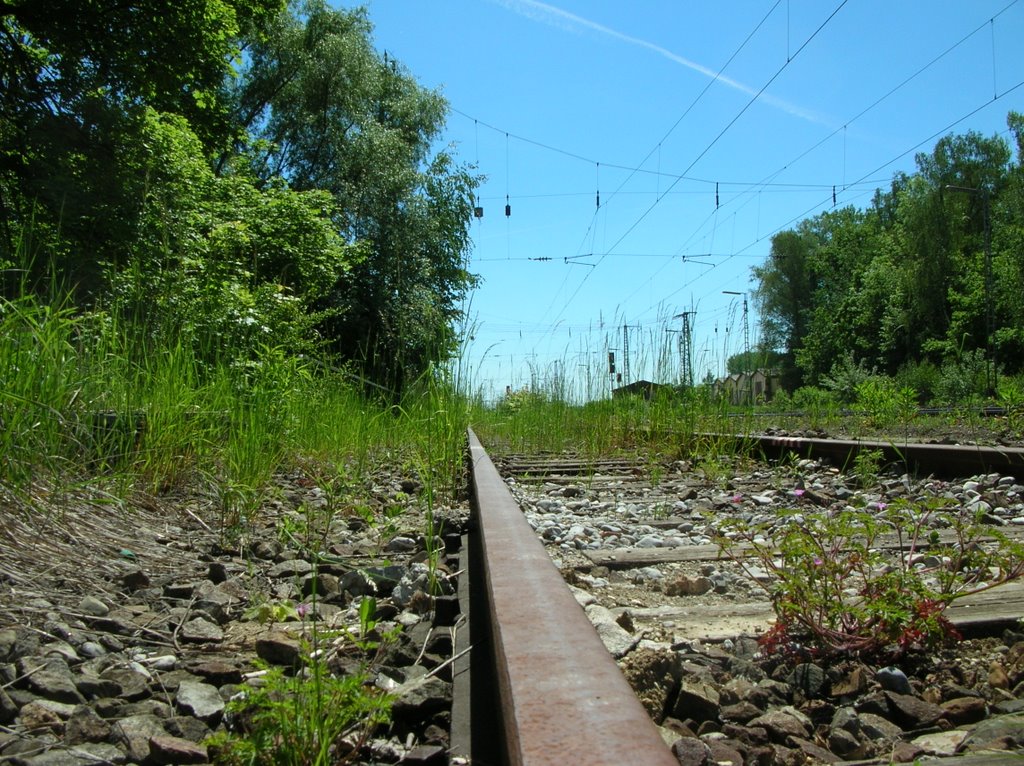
128,628
717,696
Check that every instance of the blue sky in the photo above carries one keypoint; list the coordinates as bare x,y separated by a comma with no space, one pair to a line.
702,127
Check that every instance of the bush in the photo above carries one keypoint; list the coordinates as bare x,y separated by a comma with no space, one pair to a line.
963,379
836,591
923,377
846,378
220,264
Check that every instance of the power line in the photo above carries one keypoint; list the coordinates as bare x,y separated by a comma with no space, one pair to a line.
860,114
714,141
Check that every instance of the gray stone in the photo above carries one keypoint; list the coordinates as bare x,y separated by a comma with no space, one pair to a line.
400,544
359,583
278,648
134,580
422,698
808,678
74,757
894,680
95,688
814,752
62,709
941,743
322,585
697,700
91,650
85,725
911,712
215,604
741,712
95,607
162,663
292,568
60,649
187,727
426,755
616,639
218,672
134,733
200,700
724,753
55,686
876,728
780,725
8,708
200,631
844,744
132,684
690,751
1005,732
151,706
173,750
8,639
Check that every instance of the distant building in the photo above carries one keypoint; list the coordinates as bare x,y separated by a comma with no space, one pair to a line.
644,388
749,387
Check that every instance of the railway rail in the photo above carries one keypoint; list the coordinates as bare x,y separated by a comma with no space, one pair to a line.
536,684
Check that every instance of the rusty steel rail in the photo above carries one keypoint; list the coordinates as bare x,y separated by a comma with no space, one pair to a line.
560,697
950,460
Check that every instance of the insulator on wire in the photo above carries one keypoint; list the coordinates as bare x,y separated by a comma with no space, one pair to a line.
833,196
599,198
508,207
716,195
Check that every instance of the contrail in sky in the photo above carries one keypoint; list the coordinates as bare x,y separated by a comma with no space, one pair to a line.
556,17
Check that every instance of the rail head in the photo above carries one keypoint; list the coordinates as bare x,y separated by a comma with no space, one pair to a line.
563,698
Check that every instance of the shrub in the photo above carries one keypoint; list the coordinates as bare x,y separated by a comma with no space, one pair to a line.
963,378
835,590
923,377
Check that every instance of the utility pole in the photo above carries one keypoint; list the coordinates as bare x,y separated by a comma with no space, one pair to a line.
746,331
625,354
686,349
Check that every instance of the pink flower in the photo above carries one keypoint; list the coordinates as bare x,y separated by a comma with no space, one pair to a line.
303,609
798,492
817,561
737,498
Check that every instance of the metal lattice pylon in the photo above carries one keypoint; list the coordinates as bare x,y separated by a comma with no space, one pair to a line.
686,349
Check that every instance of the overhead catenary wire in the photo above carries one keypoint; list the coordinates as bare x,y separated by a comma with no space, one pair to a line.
860,114
823,202
714,141
827,192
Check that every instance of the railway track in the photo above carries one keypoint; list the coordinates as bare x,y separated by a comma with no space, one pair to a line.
536,684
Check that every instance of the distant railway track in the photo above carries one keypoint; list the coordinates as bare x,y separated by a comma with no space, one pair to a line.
916,457
538,685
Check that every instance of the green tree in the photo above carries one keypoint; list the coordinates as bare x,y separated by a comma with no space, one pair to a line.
932,269
325,111
1008,258
75,79
218,263
783,297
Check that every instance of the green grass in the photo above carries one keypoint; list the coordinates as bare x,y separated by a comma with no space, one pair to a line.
90,400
